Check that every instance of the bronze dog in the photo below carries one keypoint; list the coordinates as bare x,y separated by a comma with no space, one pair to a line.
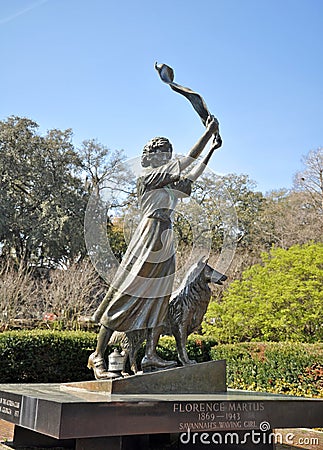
187,307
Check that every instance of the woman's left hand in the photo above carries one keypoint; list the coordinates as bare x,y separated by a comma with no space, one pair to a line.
212,125
217,142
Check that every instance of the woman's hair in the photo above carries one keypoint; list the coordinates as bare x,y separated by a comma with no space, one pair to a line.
152,147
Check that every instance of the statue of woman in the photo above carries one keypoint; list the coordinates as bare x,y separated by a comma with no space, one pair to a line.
139,294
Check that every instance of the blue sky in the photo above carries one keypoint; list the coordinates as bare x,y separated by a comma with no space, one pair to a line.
89,66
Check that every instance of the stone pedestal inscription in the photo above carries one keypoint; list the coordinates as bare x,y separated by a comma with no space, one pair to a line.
199,416
10,406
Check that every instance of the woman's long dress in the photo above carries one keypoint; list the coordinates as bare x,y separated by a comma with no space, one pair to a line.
139,294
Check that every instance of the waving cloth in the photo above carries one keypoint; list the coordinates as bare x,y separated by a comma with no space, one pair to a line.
166,74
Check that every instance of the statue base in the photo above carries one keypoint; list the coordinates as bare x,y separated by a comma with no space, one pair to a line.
202,378
190,404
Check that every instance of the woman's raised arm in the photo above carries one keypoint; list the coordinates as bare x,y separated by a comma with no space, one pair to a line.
212,127
199,168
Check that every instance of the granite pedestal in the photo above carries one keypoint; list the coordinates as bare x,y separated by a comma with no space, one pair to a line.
87,416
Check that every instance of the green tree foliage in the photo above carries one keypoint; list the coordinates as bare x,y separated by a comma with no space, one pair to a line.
42,199
44,192
280,299
117,240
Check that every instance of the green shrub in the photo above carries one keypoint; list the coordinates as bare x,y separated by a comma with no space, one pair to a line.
41,356
198,347
278,300
292,368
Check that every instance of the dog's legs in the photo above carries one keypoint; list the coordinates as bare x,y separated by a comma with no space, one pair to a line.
132,359
135,339
151,361
181,338
133,354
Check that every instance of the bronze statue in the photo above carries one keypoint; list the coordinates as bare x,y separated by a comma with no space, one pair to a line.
186,310
139,294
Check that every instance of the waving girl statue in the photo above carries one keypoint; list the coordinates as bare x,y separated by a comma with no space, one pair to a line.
139,294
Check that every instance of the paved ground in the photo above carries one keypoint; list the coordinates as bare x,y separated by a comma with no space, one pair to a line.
6,431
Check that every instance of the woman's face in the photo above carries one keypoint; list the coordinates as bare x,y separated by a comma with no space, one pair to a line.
160,157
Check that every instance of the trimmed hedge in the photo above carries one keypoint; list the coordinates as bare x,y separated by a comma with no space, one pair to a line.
288,368
48,356
42,356
198,348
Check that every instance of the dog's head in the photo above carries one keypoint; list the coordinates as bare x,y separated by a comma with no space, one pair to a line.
211,275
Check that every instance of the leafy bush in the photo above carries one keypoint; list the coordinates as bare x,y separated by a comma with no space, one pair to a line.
278,300
293,368
41,356
198,347
45,356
